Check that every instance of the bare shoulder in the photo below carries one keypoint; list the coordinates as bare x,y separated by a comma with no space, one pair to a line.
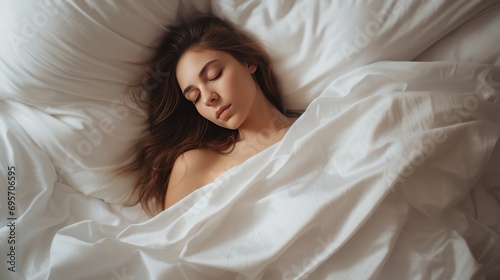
188,174
195,158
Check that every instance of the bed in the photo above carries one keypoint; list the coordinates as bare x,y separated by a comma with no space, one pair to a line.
392,171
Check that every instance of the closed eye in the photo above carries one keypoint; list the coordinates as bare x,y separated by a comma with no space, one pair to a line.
216,76
197,98
193,95
219,74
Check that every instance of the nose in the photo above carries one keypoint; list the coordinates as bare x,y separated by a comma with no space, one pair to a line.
210,98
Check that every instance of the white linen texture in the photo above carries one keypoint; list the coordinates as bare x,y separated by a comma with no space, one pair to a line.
392,172
383,169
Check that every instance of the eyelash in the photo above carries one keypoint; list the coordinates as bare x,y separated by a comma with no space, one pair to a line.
216,76
211,80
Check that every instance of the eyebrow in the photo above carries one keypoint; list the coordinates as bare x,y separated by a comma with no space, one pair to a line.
202,71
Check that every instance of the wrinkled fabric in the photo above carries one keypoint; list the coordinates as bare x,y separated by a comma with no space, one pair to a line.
391,173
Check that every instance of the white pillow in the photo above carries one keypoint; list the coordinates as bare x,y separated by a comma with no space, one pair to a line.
64,66
59,51
313,42
478,40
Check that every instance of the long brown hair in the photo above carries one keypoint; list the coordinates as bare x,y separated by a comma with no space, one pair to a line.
175,126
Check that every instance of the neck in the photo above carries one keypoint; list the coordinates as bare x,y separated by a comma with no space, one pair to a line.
265,121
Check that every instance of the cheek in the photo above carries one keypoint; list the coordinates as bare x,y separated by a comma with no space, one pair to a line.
202,110
248,88
240,84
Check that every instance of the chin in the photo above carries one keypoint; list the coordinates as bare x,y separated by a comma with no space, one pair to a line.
230,125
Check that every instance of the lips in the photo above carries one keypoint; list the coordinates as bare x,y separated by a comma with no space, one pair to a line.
221,110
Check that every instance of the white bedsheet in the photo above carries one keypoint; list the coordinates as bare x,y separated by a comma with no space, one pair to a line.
392,173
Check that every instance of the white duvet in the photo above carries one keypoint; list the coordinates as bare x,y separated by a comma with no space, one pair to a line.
391,173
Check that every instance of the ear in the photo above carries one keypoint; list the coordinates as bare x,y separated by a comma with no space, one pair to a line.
252,67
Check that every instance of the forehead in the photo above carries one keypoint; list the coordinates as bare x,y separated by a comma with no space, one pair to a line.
192,61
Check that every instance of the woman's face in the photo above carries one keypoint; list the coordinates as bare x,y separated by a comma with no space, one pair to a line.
221,88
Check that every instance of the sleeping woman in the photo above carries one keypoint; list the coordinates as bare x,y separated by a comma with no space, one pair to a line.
215,103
